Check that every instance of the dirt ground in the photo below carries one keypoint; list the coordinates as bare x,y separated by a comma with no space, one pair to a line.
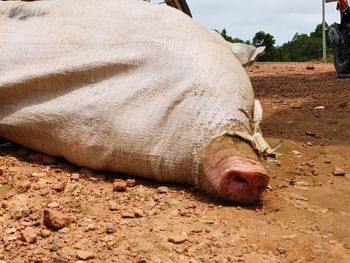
304,216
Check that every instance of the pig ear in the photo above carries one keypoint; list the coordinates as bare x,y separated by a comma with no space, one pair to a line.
246,54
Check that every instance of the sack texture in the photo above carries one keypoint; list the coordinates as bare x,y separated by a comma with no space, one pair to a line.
119,85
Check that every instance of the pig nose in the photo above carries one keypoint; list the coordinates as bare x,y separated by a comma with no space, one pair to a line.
243,186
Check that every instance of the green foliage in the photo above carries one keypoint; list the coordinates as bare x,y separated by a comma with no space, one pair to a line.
265,39
302,47
228,38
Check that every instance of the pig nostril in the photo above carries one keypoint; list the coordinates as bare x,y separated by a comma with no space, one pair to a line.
240,180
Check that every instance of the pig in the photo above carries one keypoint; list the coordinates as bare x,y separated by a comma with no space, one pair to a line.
131,87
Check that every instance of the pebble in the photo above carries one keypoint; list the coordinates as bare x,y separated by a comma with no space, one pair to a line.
138,213
130,183
163,190
75,176
59,260
55,219
53,205
292,236
85,255
91,227
19,207
40,174
113,205
74,187
308,144
128,215
110,229
119,185
45,233
338,172
310,67
29,235
177,239
59,187
11,230
301,183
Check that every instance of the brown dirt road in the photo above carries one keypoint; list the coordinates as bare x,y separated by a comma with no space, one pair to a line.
303,217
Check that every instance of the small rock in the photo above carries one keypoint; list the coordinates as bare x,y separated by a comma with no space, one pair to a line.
29,235
113,205
127,215
71,188
301,183
64,230
191,206
59,260
309,144
119,185
298,197
19,207
55,219
312,134
90,227
59,187
150,204
338,172
53,205
310,67
296,152
110,229
40,174
177,239
292,236
45,233
163,190
85,255
11,230
130,183
75,176
138,213
172,202
23,186
319,108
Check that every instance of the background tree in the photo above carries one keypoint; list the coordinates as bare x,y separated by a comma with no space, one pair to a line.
302,47
265,39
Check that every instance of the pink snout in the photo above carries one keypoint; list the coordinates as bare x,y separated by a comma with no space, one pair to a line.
238,179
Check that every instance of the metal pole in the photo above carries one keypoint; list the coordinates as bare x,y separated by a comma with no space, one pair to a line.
324,30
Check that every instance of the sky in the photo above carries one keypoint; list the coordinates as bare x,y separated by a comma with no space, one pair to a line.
280,18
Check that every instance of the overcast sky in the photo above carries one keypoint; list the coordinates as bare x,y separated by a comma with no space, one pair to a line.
281,18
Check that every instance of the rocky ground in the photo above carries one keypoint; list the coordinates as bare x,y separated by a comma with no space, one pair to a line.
52,211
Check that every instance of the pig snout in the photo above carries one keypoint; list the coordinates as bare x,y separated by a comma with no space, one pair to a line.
238,179
233,172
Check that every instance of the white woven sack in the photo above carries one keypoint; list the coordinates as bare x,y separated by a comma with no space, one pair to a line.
119,85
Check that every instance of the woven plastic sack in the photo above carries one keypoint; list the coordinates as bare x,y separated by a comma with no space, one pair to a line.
119,85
